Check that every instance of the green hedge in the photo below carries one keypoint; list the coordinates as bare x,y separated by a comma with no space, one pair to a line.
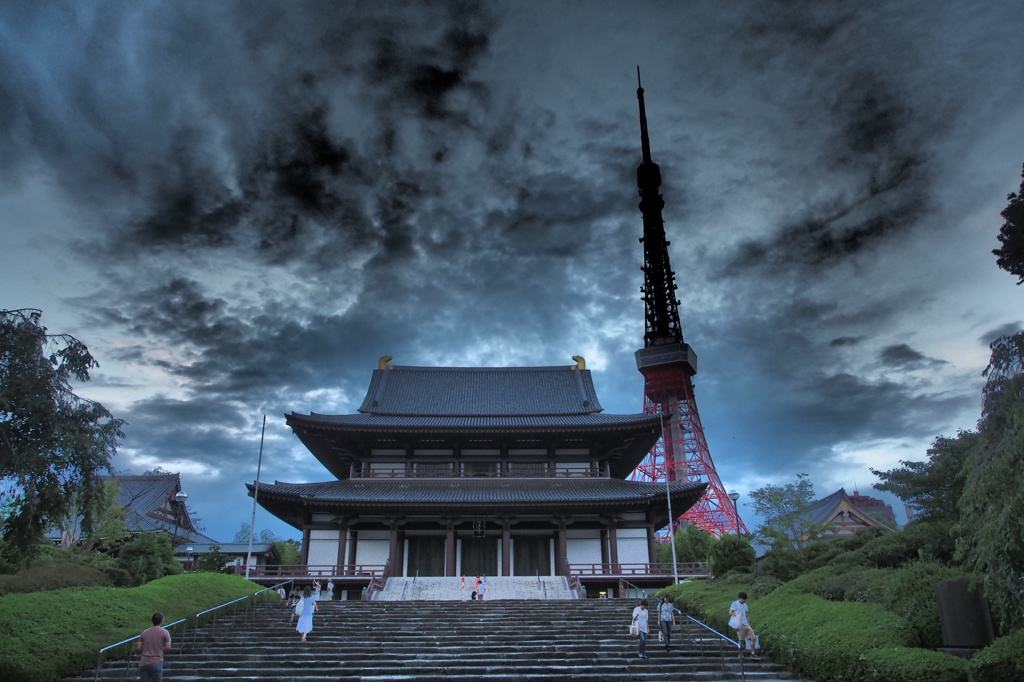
58,633
832,641
1001,661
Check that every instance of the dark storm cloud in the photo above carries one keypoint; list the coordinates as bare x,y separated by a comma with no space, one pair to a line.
878,152
272,196
902,356
989,337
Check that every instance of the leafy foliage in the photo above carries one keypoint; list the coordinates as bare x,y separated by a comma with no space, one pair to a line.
245,532
732,552
934,487
290,551
992,506
147,557
108,528
1010,256
788,523
1001,660
692,544
53,443
212,561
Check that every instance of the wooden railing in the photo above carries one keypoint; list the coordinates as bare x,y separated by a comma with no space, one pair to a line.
685,569
401,472
360,571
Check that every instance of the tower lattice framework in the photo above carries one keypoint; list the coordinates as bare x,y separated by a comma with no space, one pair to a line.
668,365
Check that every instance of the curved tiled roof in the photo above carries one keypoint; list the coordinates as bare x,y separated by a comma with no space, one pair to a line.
480,392
474,422
469,495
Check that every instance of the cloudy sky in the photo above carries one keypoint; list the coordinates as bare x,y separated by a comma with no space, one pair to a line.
240,206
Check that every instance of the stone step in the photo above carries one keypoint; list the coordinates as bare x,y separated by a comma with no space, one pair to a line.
426,641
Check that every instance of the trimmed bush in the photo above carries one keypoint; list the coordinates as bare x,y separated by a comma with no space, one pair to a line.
1000,661
822,638
52,575
902,664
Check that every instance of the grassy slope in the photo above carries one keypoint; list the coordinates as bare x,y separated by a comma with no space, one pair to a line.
49,635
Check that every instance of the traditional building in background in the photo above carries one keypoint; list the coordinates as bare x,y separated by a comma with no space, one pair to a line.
449,471
156,503
850,514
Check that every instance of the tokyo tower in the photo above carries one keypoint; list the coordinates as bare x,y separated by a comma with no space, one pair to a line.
668,365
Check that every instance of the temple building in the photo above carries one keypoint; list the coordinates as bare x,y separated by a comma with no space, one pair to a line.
849,514
451,471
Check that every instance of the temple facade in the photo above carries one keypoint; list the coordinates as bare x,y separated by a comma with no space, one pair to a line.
479,471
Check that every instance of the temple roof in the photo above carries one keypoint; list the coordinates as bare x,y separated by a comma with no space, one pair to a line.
455,406
481,392
290,501
148,500
840,505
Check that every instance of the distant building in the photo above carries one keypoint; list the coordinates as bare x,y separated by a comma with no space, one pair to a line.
850,514
155,503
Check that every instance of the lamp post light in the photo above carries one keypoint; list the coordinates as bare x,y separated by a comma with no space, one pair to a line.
188,564
179,498
733,495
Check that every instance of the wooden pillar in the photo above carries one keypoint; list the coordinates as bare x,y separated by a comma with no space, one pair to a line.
604,550
449,549
506,547
353,543
560,549
305,544
339,562
652,551
394,551
613,548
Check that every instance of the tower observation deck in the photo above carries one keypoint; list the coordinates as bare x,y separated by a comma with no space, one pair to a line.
668,364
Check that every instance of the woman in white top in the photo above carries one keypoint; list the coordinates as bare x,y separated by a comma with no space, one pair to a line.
640,615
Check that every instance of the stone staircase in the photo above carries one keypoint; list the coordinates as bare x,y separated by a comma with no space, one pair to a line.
451,640
455,589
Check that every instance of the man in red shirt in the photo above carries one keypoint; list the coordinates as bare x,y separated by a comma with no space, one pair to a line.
153,643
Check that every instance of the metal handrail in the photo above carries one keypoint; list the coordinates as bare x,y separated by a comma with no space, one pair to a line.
99,659
195,620
716,633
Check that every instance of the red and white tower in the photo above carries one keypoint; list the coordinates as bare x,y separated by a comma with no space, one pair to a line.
668,365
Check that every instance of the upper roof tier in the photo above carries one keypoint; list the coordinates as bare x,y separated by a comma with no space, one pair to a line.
453,406
481,392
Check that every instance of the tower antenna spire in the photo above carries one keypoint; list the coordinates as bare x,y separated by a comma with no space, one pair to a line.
669,364
645,142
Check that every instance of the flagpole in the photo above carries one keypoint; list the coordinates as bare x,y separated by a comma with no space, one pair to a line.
255,494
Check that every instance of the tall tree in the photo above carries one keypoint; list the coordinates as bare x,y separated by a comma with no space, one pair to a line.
992,505
53,443
933,488
109,528
1010,256
786,511
245,532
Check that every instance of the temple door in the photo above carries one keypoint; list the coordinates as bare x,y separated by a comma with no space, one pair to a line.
426,556
531,555
480,556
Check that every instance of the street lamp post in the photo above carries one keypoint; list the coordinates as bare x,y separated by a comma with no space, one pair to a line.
733,495
179,515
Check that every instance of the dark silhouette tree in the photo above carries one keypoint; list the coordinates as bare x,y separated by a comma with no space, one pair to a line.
1010,256
53,443
933,488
